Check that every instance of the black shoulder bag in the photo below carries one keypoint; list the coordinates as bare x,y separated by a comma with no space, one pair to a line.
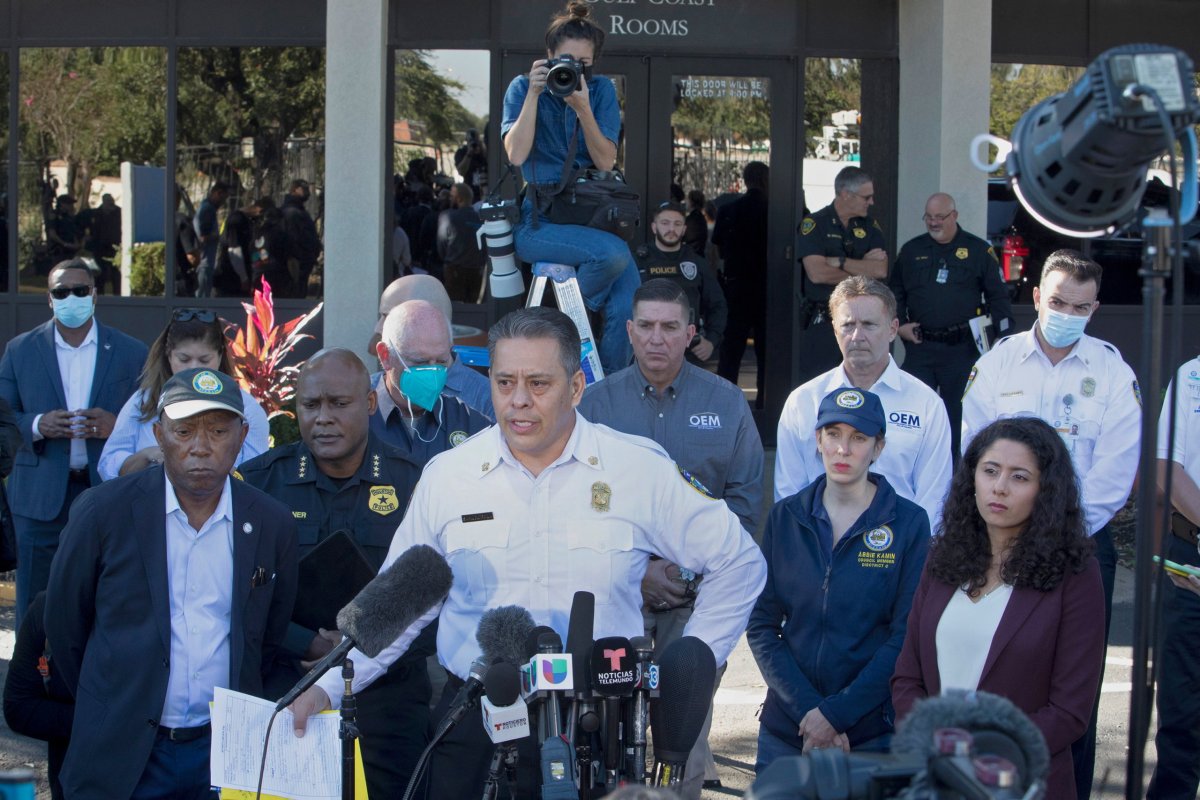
590,197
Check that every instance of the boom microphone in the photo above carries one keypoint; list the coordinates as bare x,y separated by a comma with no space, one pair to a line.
989,718
688,672
394,599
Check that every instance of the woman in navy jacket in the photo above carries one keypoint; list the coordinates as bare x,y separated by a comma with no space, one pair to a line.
1011,602
844,556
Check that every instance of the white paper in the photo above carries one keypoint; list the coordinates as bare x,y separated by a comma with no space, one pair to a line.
300,769
979,333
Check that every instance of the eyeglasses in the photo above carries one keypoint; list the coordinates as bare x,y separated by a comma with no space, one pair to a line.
198,314
938,217
61,292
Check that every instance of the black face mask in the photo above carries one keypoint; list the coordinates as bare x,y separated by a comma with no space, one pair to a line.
587,72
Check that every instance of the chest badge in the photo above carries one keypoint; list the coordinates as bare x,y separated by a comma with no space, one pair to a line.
689,269
457,438
601,496
382,500
860,233
1088,387
961,254
879,539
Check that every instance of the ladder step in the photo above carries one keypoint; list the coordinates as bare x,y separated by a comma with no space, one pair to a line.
570,302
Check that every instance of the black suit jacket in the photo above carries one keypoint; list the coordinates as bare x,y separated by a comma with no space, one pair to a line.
108,619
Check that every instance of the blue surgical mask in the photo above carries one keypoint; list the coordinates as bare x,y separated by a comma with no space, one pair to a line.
72,311
1062,330
423,385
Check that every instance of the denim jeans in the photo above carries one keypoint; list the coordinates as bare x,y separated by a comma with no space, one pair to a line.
607,275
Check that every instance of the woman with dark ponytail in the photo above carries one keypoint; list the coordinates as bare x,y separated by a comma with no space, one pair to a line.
538,128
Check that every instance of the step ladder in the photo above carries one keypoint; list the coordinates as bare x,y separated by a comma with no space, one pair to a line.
570,302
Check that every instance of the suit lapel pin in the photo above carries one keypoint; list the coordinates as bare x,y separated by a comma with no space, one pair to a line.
247,527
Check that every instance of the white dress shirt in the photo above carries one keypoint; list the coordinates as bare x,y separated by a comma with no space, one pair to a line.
916,456
588,522
1186,451
1091,398
130,434
200,583
77,368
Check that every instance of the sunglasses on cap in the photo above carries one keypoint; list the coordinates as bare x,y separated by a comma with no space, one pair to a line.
198,314
62,292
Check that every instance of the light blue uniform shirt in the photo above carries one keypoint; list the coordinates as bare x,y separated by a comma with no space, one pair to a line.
200,582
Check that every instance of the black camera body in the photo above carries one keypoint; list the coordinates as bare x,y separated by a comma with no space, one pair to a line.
565,76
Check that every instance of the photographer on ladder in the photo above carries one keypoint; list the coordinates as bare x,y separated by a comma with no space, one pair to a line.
540,128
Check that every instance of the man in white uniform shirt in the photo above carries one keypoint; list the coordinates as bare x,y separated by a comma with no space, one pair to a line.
544,504
1082,388
917,459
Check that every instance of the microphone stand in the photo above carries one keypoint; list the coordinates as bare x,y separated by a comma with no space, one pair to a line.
505,758
348,730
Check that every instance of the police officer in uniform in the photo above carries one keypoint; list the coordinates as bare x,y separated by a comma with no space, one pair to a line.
667,257
1084,389
938,280
1177,772
836,242
341,478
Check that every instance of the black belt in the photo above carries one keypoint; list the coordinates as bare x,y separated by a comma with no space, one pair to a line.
1182,527
184,734
951,335
79,475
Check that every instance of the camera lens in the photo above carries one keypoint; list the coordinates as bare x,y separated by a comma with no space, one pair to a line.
563,79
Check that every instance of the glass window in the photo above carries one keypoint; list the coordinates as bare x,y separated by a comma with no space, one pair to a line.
832,124
92,118
250,167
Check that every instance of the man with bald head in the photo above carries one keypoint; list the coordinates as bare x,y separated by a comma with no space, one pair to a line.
942,279
340,480
414,412
461,381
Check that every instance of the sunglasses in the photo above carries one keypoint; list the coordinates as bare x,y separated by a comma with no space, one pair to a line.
198,314
62,292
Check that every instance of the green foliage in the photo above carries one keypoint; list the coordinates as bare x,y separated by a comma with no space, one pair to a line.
428,98
830,84
284,427
741,120
148,265
1018,87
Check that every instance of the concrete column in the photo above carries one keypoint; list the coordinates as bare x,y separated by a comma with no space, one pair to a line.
357,175
945,90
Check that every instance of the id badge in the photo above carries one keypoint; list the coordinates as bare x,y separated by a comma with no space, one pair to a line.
943,275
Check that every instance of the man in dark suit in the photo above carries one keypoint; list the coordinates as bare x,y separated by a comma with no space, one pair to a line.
168,583
66,381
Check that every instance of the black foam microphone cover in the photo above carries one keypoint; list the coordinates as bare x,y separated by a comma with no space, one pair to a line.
502,684
580,631
502,632
531,641
983,715
687,673
612,668
395,598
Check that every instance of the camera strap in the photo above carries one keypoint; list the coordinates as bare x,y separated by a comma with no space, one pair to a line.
568,168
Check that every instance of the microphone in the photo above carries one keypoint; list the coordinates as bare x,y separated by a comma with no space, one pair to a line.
551,673
645,687
688,671
582,716
613,666
997,726
394,599
505,715
500,634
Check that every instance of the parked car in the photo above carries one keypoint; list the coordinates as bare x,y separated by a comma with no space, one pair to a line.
1022,244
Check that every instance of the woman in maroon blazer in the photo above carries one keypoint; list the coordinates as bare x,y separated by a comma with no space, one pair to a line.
1011,601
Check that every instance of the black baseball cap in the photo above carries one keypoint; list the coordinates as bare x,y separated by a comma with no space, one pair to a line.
193,391
858,408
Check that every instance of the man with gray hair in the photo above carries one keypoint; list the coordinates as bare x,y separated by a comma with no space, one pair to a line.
916,460
461,381
840,240
414,412
555,505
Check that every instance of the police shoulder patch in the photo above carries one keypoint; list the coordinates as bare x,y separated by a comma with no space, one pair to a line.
1137,392
694,483
807,226
970,380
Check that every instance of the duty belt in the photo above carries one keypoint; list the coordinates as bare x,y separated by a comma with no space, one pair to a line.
952,335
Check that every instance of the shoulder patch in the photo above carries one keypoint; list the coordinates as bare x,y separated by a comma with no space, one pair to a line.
875,222
970,380
694,483
1137,393
807,226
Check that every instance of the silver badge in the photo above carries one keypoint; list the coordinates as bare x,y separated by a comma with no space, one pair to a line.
689,269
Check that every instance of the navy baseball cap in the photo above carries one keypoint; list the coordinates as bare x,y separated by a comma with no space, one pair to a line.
857,408
193,391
